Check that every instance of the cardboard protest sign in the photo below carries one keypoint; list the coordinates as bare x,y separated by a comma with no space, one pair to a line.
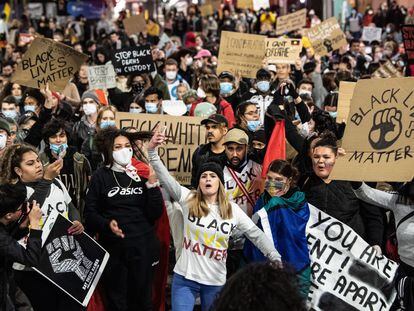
184,134
346,274
101,77
135,24
291,22
379,135
206,10
282,50
131,60
408,38
260,4
346,90
47,61
241,53
326,37
371,34
245,4
387,70
74,263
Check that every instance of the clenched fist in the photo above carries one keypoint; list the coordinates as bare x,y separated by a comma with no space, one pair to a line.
386,128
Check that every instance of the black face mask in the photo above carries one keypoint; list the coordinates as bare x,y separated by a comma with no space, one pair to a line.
137,88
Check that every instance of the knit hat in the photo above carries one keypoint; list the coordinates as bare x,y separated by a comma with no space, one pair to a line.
188,94
4,125
212,165
34,93
92,95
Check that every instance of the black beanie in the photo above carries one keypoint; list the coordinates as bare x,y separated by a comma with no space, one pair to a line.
212,166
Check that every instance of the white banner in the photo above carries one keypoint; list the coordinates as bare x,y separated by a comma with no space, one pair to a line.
346,273
371,34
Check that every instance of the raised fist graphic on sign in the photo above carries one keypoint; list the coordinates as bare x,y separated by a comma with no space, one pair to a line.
386,128
75,260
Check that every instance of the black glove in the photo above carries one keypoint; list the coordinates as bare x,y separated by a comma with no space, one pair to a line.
291,90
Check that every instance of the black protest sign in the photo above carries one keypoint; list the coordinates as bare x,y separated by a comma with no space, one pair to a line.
133,60
74,263
379,134
346,273
184,135
47,61
408,38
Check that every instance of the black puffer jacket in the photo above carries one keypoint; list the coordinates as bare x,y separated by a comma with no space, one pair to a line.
338,200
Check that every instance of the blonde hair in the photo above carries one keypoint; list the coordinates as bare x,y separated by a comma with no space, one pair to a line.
199,208
102,110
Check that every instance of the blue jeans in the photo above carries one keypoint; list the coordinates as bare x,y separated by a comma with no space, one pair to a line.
184,293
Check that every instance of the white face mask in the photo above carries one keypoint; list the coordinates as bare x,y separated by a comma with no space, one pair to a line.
3,141
29,108
171,75
189,61
304,92
89,109
201,93
135,110
123,157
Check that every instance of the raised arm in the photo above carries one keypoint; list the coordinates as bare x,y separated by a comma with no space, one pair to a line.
375,196
174,189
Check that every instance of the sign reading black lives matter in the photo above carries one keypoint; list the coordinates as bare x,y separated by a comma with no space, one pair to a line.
184,135
379,134
74,263
47,61
346,273
133,60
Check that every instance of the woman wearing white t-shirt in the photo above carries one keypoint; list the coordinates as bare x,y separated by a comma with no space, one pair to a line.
21,164
208,221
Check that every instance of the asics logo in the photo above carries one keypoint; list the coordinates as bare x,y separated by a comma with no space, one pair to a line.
124,191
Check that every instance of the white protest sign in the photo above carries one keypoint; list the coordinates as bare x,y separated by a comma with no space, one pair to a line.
260,4
371,34
282,50
101,77
346,273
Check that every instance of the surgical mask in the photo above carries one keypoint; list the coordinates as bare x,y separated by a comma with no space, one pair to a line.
3,141
201,93
273,186
304,92
135,110
89,109
333,114
189,107
12,114
263,86
388,30
151,107
253,125
171,75
29,108
106,124
123,157
189,61
59,150
225,87
18,98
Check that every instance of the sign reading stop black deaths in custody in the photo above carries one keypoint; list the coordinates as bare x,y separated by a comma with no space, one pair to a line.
133,60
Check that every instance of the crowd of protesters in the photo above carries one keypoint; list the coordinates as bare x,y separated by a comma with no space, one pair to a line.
63,151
